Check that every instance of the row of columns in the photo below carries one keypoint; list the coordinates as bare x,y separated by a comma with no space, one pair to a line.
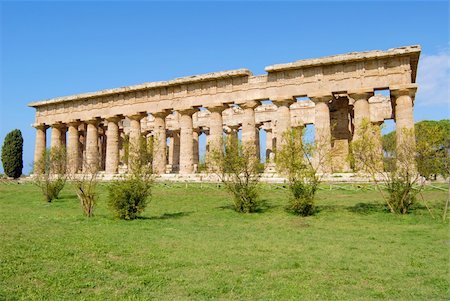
185,142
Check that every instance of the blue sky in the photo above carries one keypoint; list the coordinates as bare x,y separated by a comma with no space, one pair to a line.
51,49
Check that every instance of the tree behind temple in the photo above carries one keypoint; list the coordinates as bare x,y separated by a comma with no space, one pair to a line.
12,151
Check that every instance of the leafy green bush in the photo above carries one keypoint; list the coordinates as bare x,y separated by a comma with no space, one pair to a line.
52,178
301,201
12,151
295,160
402,181
402,195
239,169
52,188
128,197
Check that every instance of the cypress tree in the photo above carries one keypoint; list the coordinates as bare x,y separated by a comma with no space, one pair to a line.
12,151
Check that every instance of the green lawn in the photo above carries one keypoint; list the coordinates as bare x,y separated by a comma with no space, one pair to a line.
191,245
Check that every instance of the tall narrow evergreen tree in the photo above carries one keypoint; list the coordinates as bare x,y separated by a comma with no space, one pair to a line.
12,152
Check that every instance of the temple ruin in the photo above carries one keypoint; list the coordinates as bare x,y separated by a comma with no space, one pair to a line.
333,93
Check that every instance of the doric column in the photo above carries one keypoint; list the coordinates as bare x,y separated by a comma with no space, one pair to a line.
322,131
174,150
112,145
186,141
57,131
134,152
159,142
39,148
195,134
91,163
269,144
360,109
258,149
73,147
215,127
248,123
233,131
404,119
283,118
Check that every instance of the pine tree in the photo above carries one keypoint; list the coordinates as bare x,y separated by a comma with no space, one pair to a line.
12,151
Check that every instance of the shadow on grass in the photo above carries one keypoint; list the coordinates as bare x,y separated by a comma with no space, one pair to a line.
367,208
164,216
327,208
263,207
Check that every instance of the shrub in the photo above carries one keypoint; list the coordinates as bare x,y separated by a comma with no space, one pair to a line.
52,178
295,160
402,182
239,170
86,190
12,152
302,200
128,197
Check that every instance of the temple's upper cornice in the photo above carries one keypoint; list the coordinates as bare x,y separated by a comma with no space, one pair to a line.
413,52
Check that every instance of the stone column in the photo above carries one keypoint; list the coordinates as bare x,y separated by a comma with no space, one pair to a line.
283,119
361,112
91,163
186,141
322,131
135,141
215,127
112,145
73,147
248,123
269,144
258,149
233,131
56,139
174,150
404,120
360,109
159,142
196,133
39,149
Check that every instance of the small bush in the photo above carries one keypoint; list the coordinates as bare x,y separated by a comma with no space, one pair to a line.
128,197
294,159
86,190
239,170
302,198
52,188
402,195
52,176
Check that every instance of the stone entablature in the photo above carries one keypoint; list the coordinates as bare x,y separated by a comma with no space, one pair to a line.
333,93
372,70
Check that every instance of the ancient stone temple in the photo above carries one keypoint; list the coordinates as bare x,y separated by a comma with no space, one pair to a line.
334,94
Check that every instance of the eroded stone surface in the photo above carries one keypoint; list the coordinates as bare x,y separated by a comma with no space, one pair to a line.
333,93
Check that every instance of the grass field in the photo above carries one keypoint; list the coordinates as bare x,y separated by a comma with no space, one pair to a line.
191,245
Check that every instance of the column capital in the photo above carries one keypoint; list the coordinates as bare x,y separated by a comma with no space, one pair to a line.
161,114
115,118
137,116
75,122
95,121
355,95
217,108
40,126
251,104
189,111
316,98
58,125
283,101
401,90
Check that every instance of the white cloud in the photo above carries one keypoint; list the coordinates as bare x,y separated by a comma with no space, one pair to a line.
433,79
